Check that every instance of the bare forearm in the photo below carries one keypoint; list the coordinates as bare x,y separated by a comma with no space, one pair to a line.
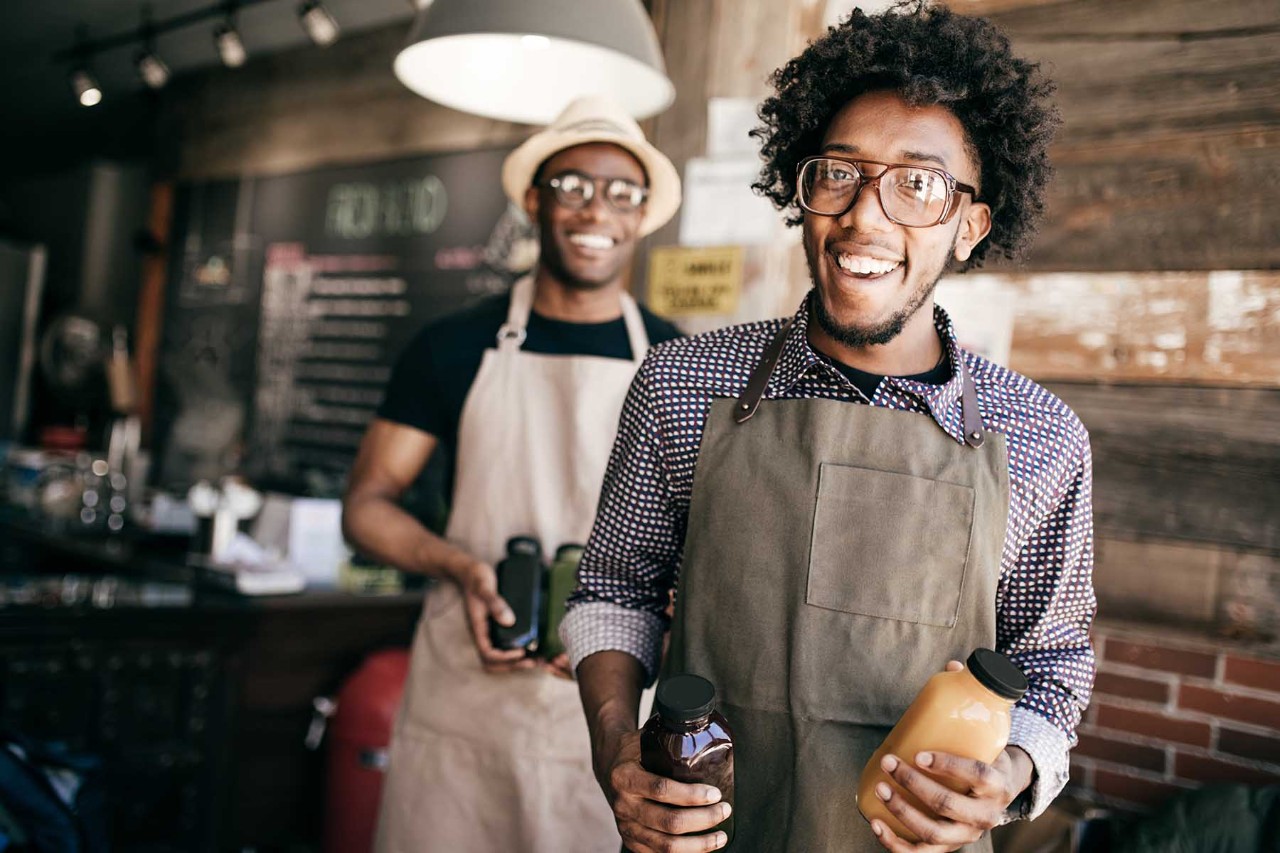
609,683
384,531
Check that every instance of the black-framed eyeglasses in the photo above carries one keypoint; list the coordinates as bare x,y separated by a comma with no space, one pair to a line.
575,190
914,196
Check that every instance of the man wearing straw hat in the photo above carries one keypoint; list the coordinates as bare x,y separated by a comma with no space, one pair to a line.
491,750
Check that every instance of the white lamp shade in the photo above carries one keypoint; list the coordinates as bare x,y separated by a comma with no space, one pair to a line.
525,60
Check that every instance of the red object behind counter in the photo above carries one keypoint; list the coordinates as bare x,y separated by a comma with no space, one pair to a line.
358,736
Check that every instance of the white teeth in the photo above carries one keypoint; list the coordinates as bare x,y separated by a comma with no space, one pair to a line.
591,241
865,266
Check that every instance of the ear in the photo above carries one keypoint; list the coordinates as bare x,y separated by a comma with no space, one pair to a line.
531,203
975,225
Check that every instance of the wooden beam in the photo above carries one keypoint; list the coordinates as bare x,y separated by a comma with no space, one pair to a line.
148,330
1106,18
1183,463
1219,328
989,8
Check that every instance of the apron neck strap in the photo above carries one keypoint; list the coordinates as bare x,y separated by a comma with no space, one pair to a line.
754,392
636,335
512,334
973,435
750,399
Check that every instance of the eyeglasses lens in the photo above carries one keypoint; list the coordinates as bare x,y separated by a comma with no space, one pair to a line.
575,191
909,195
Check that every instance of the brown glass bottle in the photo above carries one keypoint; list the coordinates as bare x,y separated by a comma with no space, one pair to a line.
689,740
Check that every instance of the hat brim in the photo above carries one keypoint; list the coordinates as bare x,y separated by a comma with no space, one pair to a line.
664,180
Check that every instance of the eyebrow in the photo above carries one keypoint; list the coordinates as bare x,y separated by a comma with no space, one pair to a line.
922,156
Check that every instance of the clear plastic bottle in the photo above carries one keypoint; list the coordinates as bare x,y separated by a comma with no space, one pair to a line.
689,740
965,713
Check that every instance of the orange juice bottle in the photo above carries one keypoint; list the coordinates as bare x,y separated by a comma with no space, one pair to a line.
965,713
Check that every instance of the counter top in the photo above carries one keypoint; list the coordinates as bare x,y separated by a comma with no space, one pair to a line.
47,565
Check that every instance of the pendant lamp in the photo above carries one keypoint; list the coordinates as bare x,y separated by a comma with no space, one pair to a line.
525,60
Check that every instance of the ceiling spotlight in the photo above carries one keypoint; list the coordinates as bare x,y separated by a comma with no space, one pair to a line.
86,87
230,47
152,69
320,25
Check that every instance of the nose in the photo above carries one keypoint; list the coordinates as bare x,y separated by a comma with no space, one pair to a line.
595,209
867,214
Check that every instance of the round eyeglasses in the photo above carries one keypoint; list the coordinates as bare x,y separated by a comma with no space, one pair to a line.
914,196
575,190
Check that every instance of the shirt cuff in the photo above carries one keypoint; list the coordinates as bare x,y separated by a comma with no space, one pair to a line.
600,626
1050,750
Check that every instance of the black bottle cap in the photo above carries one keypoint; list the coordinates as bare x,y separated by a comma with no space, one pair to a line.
568,550
524,545
997,673
683,698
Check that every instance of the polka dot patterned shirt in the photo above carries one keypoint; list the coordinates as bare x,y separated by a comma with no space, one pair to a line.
1044,600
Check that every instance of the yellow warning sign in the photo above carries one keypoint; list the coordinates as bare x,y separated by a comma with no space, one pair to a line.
684,281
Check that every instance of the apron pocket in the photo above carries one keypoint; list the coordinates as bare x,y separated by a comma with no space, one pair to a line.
889,545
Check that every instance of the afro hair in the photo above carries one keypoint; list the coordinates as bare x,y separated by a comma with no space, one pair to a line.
929,56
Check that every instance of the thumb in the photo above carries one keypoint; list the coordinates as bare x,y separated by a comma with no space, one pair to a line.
485,588
954,666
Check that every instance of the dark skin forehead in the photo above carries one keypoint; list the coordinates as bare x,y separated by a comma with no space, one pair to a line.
597,159
882,126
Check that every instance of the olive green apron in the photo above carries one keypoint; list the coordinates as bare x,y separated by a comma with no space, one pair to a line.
837,556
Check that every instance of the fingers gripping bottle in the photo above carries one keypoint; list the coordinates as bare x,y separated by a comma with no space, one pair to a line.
965,713
689,740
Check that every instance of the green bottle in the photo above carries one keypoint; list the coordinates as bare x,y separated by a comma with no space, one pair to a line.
561,581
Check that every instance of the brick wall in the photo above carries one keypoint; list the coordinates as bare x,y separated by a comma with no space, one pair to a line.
1173,711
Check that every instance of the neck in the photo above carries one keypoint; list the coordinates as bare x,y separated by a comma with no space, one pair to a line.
556,300
916,349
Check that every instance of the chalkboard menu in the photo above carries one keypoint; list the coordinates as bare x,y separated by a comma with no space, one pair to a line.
291,296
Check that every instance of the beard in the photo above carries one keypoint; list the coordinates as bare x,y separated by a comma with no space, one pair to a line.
881,333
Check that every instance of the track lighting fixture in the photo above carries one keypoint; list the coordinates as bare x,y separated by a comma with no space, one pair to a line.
230,48
86,87
319,23
152,70
314,17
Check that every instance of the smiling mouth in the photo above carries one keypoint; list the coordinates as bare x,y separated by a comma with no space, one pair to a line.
597,242
864,268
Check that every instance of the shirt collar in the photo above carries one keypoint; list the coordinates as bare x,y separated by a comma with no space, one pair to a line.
942,401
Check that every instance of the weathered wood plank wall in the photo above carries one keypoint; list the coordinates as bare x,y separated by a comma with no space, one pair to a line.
1168,159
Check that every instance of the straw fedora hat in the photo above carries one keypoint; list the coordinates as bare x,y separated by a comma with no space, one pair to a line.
595,118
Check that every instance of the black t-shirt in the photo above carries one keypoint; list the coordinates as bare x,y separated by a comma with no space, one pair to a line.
867,383
430,381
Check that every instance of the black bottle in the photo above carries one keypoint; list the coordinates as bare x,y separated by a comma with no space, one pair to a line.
520,585
689,740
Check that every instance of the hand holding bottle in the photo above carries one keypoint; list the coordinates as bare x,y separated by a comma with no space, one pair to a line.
966,797
657,814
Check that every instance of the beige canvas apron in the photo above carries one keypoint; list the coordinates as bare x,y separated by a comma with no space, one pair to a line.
483,762
872,559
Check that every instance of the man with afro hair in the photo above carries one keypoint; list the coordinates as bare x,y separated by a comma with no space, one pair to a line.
845,502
